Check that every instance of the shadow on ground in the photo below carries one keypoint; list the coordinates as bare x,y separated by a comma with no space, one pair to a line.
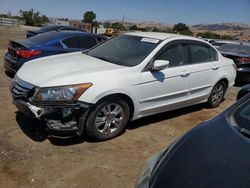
36,129
33,128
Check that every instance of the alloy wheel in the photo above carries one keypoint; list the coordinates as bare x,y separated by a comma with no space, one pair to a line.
109,118
218,93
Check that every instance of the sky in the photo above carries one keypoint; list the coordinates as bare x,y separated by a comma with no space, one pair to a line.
165,11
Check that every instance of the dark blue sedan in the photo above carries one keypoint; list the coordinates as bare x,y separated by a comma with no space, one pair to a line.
49,43
52,28
214,154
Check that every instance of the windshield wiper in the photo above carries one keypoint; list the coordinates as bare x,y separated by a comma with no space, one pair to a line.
101,58
107,60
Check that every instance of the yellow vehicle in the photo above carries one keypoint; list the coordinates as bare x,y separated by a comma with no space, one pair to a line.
110,32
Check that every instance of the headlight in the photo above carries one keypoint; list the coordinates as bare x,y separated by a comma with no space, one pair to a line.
64,93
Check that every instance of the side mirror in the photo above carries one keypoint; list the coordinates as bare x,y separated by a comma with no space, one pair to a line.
160,64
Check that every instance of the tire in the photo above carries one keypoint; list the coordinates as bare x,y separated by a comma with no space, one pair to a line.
107,119
217,94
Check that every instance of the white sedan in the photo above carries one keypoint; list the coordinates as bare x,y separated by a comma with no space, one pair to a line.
128,77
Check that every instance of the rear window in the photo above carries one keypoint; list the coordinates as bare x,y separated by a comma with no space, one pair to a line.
236,48
43,38
83,42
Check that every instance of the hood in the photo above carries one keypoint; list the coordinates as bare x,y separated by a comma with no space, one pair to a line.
65,69
213,154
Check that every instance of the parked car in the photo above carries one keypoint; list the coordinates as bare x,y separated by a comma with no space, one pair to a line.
110,32
240,54
208,40
219,43
49,43
213,154
125,78
52,28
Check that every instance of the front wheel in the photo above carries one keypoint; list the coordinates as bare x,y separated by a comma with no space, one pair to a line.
217,94
108,119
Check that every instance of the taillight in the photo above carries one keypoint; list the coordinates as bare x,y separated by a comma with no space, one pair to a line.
28,53
242,60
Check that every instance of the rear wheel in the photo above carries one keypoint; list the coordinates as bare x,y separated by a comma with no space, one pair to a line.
108,119
217,94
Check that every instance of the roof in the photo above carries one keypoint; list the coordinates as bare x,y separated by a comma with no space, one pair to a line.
59,34
158,35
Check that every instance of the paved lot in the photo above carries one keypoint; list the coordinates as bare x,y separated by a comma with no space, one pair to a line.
29,159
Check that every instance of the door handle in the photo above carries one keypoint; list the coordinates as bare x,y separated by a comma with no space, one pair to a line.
215,68
185,74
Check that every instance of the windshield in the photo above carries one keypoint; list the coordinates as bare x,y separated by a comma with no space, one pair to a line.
241,118
236,48
125,50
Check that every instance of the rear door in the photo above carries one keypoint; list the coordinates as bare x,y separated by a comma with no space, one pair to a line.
203,70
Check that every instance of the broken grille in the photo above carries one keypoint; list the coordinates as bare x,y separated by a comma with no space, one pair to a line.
21,89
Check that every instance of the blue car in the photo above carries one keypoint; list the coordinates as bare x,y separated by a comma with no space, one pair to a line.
52,28
49,43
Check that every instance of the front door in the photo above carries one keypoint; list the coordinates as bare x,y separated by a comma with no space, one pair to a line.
168,88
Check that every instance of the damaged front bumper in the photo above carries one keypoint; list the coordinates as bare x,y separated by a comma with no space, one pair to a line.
62,119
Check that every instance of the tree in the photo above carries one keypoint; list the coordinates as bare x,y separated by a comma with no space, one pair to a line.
95,24
155,29
33,18
133,28
107,24
89,17
118,26
182,29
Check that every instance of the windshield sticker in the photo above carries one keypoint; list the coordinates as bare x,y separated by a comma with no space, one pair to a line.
155,41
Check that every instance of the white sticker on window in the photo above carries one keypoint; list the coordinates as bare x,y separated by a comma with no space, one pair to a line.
150,40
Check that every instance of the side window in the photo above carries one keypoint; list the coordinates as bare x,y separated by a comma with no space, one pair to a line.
175,54
199,53
85,42
213,55
69,42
